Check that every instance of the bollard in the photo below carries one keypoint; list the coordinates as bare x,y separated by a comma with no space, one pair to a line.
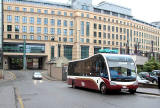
159,82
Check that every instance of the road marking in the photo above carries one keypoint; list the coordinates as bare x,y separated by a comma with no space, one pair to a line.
19,98
14,76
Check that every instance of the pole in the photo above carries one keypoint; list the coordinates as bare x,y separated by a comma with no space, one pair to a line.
24,55
79,46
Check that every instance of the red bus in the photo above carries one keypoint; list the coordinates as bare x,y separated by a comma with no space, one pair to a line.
104,72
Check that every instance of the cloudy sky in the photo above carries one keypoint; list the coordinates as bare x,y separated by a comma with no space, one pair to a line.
146,10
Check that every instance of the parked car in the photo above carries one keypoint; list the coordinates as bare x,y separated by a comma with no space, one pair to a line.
144,75
142,80
154,75
37,75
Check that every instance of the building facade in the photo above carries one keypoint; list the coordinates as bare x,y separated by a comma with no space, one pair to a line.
44,30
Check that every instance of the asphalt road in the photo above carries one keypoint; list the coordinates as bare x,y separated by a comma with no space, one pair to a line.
57,94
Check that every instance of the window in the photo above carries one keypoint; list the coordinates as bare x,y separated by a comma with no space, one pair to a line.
84,52
112,42
31,37
16,28
112,36
9,18
59,31
108,35
95,41
95,17
17,8
59,12
24,9
52,12
117,43
99,34
52,31
116,29
52,52
120,37
46,21
87,15
31,29
71,23
31,20
82,28
46,11
9,27
59,39
108,42
99,27
87,28
99,41
39,38
16,36
95,26
38,20
70,39
68,51
104,35
99,18
24,37
112,28
82,14
104,27
24,28
87,40
45,30
9,8
65,39
45,37
109,28
71,14
38,10
17,19
95,34
52,22
65,13
71,32
65,32
52,38
9,36
82,40
31,10
116,36
24,19
38,29
58,22
65,23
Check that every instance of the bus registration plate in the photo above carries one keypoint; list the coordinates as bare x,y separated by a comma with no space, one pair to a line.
124,89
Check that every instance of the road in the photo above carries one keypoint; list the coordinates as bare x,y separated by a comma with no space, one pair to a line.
57,94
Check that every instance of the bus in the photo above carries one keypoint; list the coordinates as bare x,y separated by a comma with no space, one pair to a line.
104,72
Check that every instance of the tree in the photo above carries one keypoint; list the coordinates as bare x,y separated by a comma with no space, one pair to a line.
151,65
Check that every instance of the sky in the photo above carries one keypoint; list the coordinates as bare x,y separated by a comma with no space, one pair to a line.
145,10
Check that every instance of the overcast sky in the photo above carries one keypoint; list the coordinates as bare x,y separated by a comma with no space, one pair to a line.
146,10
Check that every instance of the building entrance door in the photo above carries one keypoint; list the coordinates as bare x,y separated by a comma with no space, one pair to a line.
15,63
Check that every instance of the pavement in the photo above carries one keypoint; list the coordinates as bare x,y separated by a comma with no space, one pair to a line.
8,75
9,100
46,76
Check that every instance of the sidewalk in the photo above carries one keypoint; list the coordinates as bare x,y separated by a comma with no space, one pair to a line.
151,91
45,75
7,97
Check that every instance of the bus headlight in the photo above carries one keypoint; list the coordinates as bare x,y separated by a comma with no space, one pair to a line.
113,83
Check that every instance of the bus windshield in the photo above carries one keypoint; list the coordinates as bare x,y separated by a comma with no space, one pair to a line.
122,68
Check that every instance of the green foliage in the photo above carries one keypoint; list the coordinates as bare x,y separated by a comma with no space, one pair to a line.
151,65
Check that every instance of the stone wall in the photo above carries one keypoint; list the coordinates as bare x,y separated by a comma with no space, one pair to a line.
55,72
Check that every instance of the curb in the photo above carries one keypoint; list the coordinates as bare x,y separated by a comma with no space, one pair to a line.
148,93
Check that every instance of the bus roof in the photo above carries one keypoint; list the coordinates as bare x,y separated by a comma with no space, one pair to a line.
103,54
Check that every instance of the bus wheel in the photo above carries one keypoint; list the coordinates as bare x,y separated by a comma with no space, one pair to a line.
73,85
132,91
103,88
